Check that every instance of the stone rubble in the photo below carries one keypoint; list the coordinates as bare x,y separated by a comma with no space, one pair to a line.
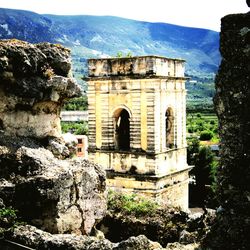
38,239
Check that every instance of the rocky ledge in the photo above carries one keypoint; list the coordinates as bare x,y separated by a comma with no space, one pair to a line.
56,195
35,81
59,196
38,239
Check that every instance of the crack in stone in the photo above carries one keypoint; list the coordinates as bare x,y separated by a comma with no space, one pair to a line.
76,203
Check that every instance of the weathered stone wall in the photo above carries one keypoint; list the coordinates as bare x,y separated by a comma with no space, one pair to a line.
59,196
146,87
232,102
150,90
140,65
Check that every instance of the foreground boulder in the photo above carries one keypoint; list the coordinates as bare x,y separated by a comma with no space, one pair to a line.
59,196
38,239
56,195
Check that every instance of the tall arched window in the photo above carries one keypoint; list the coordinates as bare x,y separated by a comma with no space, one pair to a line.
169,119
122,129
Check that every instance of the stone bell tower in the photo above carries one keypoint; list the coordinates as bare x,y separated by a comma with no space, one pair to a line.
137,125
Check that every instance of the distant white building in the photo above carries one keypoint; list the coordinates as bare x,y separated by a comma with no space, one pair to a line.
74,116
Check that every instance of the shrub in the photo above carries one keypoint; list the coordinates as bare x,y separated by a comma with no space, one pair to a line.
206,135
192,151
77,128
80,103
131,204
200,123
119,54
8,220
215,130
213,173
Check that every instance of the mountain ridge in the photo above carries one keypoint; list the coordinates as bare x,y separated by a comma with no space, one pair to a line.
107,36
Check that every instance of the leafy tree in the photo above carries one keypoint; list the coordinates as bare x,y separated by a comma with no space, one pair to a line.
206,135
77,128
213,173
80,103
192,151
203,164
204,171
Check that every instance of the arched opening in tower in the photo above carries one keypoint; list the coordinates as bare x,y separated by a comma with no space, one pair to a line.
122,130
169,119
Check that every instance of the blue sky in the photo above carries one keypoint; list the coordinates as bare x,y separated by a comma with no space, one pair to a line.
192,13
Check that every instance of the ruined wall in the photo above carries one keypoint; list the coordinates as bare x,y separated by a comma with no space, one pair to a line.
232,102
56,195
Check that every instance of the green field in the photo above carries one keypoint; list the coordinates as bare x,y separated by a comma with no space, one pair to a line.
203,126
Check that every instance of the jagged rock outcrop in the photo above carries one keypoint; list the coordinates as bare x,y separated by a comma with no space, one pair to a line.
56,195
59,196
35,80
232,102
38,239
163,225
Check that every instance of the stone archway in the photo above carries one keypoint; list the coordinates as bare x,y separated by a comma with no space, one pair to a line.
122,129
